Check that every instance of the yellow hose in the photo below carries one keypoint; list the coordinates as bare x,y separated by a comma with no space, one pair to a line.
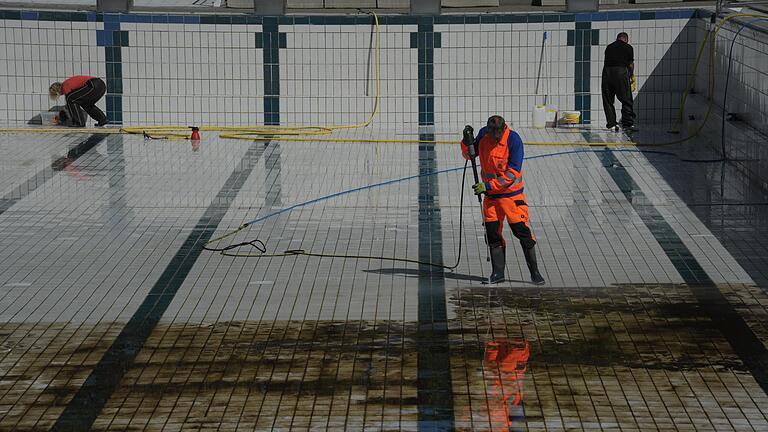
279,132
709,37
321,133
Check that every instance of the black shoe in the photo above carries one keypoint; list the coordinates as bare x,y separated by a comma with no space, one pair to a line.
631,129
537,279
498,261
102,123
530,259
496,278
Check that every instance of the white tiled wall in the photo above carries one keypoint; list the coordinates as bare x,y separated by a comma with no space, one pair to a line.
664,53
327,75
747,91
192,74
213,73
485,68
491,68
33,54
748,88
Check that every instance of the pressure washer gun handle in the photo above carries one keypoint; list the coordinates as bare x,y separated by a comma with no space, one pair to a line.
469,141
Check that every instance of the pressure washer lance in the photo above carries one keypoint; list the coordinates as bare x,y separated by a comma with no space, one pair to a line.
469,141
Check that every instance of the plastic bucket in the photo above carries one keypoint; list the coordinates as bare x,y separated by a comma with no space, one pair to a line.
539,117
571,118
49,118
551,116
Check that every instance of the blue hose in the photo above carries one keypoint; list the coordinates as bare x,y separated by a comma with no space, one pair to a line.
447,170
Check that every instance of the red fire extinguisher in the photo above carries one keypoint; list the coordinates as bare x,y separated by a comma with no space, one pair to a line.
195,133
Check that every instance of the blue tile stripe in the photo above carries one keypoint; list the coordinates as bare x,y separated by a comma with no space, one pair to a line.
271,40
425,40
434,388
711,300
582,39
112,38
105,377
353,20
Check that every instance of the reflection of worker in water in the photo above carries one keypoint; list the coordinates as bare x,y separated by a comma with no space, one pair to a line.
504,368
501,161
81,92
618,72
64,163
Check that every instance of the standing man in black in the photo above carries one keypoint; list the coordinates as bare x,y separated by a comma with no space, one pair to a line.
617,74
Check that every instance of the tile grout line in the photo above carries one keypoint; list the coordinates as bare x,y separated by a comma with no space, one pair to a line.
23,190
105,377
713,303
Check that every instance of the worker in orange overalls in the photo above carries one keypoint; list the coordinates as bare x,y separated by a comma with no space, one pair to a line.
501,161
504,365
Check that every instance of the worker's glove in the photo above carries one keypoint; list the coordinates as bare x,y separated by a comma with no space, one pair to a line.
468,135
479,188
633,83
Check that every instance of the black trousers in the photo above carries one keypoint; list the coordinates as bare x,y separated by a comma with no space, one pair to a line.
616,84
84,99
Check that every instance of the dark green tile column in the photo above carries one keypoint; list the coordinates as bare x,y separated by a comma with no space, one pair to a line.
271,40
582,39
425,40
435,390
113,39
727,320
104,379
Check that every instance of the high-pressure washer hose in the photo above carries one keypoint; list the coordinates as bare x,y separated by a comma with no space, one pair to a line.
261,247
320,133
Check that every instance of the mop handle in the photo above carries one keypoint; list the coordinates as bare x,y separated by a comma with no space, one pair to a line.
541,59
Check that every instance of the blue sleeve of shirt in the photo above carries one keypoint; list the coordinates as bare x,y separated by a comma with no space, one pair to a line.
480,134
515,144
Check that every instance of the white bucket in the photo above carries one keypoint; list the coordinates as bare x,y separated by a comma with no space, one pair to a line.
551,116
539,117
49,118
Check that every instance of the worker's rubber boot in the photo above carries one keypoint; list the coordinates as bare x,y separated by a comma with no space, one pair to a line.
498,262
530,259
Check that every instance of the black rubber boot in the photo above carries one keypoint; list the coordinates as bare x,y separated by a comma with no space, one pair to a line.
530,259
498,261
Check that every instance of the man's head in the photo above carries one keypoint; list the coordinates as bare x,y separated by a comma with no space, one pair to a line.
55,90
623,37
496,126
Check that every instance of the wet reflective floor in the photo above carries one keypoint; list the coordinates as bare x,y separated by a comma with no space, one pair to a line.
113,317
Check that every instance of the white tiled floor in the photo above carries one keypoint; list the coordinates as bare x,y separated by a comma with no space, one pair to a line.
81,250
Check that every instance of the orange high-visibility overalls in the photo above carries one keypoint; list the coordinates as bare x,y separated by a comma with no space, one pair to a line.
501,170
505,363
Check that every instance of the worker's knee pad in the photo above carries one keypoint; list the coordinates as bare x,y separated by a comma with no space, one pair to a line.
493,234
524,234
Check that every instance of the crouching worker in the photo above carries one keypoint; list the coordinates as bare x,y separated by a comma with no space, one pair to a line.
81,92
501,160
